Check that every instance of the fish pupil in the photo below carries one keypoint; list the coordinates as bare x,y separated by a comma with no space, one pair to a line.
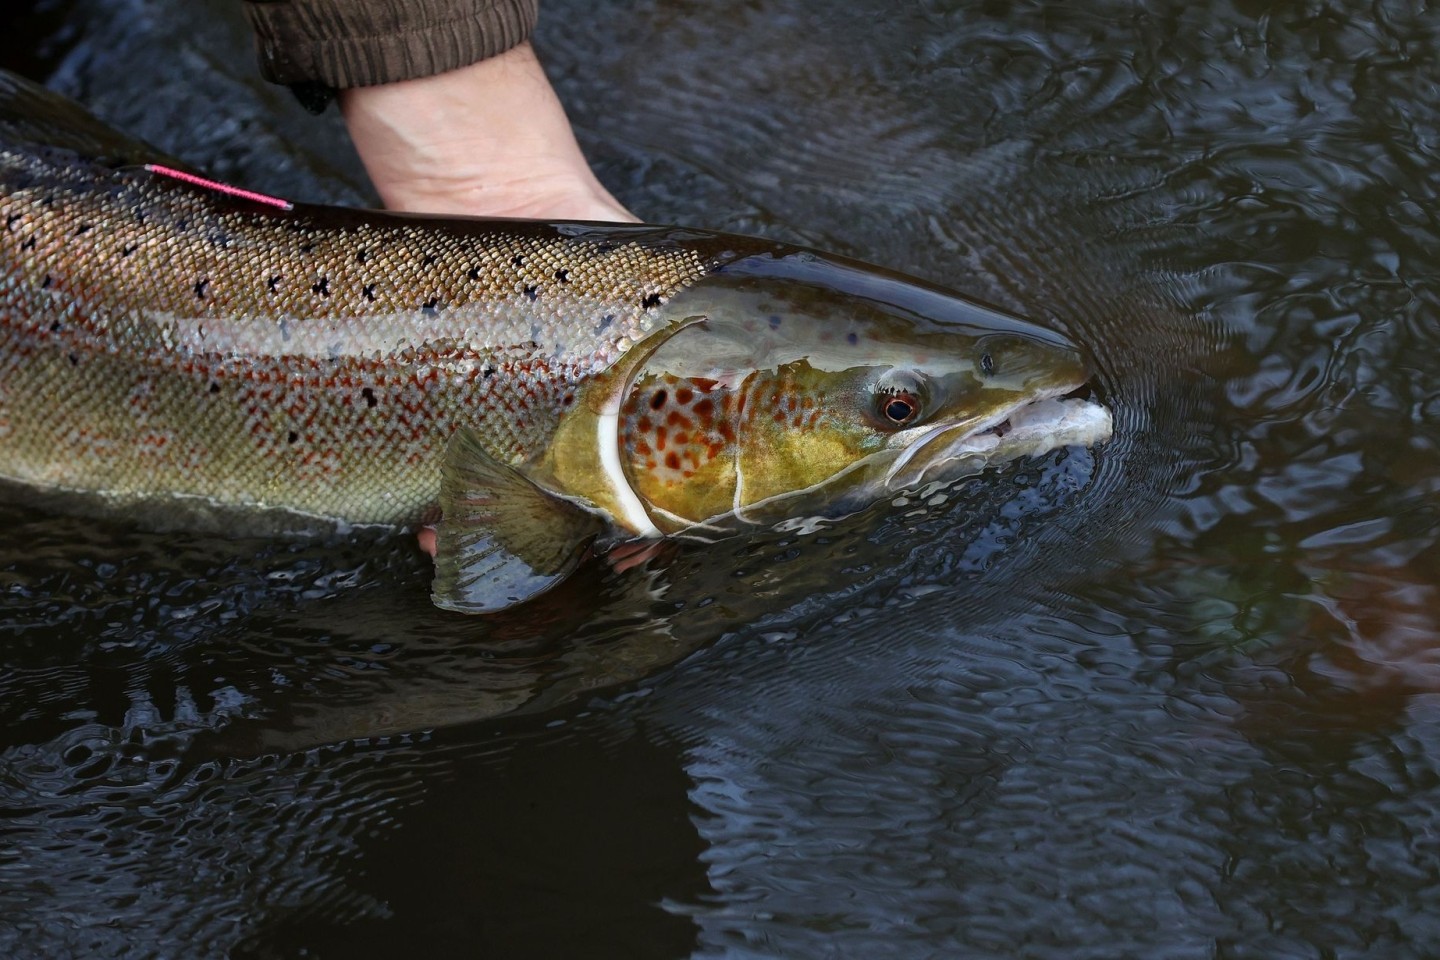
987,364
899,409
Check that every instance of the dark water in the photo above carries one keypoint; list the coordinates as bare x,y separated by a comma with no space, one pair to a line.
1172,698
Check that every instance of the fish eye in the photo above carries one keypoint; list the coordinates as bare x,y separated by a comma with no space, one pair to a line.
987,364
899,399
898,408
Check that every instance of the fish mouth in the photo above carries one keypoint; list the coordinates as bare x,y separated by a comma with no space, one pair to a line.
1032,426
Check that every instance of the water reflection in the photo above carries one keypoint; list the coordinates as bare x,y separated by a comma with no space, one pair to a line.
513,863
1171,698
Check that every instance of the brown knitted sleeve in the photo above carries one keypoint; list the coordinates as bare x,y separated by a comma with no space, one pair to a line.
356,43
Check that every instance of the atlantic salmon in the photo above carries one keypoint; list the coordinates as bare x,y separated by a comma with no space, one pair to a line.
536,387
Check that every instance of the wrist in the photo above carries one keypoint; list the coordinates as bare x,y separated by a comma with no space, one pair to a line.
490,139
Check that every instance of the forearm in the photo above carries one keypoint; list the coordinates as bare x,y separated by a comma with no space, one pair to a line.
448,107
488,139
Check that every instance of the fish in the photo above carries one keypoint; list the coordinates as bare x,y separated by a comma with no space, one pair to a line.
172,344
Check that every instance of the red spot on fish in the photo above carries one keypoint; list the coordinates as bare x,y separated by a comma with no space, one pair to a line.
644,425
725,430
684,395
660,439
705,409
678,419
642,448
681,438
672,460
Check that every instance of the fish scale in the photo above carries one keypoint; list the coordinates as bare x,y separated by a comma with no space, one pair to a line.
178,340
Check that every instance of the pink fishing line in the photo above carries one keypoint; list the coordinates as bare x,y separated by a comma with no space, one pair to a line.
222,187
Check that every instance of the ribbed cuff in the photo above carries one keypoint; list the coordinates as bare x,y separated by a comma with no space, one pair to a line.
357,43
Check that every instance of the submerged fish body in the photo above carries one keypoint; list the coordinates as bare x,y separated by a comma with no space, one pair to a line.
165,341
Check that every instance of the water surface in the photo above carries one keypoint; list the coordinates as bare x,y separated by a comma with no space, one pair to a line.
1175,697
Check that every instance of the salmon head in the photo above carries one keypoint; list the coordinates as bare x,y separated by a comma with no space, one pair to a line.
782,390
775,388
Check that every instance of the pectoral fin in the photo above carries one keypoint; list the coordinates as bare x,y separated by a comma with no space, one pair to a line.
502,539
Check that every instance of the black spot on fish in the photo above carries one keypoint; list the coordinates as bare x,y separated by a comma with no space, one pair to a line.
28,244
774,321
200,286
473,273
361,255
322,287
653,300
214,387
83,229
292,436
140,217
429,307
273,283
128,249
852,338
489,371
48,201
428,260
55,326
182,224
220,240
11,220
987,364
74,360
562,275
369,396
368,292
307,247
606,320
569,399
658,400
605,246
533,293
518,260
45,284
